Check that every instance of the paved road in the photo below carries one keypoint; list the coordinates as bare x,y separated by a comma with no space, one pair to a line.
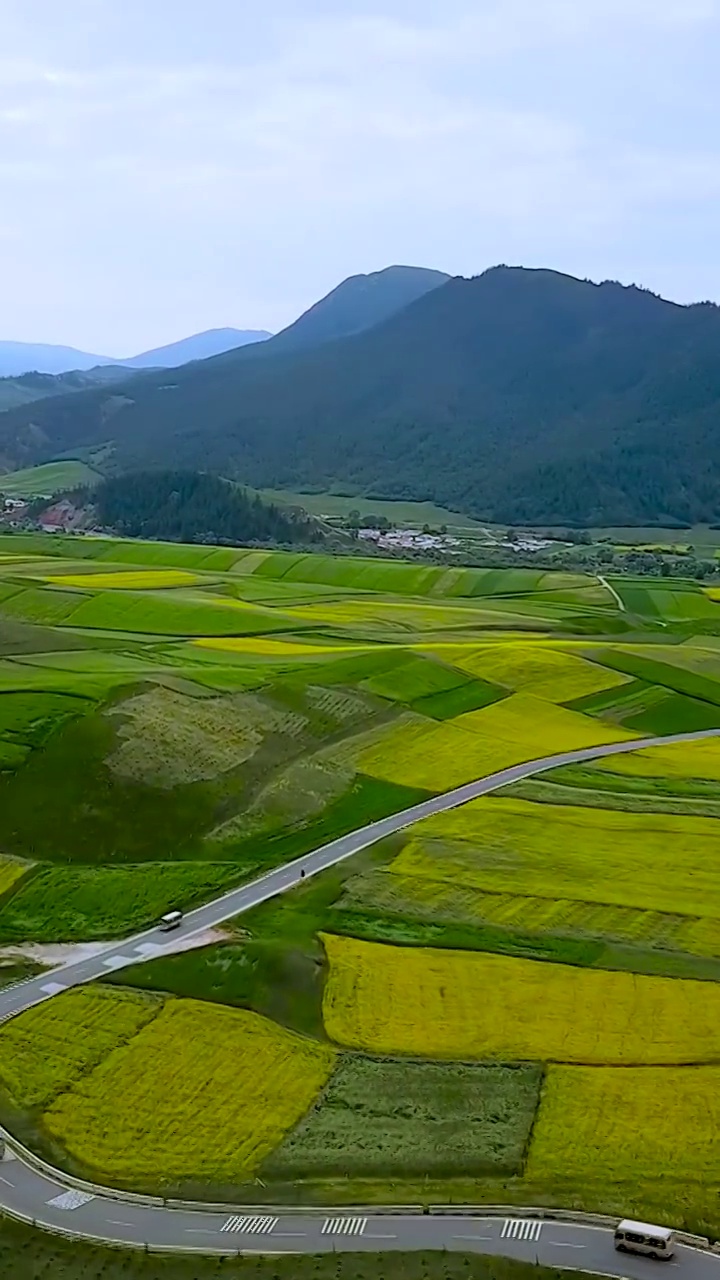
294,1231
46,1198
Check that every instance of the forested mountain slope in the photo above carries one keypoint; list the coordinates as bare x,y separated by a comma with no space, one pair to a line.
516,396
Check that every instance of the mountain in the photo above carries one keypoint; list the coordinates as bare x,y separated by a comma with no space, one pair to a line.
356,304
359,303
213,342
518,396
18,358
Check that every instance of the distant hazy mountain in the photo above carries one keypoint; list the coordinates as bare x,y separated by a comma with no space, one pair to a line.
17,358
357,304
213,342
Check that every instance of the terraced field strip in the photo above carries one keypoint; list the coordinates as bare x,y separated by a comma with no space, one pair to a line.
665,862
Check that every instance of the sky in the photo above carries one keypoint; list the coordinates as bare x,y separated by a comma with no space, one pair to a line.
168,166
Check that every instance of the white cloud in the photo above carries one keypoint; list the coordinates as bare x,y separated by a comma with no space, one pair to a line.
225,167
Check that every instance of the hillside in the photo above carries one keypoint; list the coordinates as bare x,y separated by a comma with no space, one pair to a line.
28,387
516,396
186,506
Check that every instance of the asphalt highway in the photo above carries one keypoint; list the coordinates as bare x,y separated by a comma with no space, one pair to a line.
50,1200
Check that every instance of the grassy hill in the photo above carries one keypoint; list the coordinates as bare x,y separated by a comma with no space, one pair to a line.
519,396
47,479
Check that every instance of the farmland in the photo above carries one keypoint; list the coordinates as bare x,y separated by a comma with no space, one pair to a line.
455,1004
263,1080
458,1011
414,1118
601,1127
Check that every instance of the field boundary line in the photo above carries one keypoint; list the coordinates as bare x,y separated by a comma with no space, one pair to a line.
620,602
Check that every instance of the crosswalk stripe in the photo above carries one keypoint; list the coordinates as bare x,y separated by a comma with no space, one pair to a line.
354,1226
251,1225
521,1229
71,1200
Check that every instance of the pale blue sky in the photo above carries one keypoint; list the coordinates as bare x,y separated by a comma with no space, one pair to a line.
173,165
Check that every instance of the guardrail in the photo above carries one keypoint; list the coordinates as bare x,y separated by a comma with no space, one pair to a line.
545,1212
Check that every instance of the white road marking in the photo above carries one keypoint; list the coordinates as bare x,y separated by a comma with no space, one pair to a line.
521,1229
7,1181
114,1222
71,1200
563,1244
354,1226
116,962
199,1231
387,1236
258,1226
53,988
459,1237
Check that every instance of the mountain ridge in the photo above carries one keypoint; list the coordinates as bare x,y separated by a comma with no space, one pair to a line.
517,396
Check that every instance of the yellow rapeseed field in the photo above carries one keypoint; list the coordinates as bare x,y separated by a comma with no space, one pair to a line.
442,756
699,759
543,672
49,1047
203,1092
135,580
456,1004
607,1125
664,862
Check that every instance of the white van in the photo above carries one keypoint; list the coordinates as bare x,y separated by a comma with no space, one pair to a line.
172,920
640,1237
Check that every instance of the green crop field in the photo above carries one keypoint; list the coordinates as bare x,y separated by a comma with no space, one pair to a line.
413,1118
465,1010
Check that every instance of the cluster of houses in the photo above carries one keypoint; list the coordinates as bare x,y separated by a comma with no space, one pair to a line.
61,517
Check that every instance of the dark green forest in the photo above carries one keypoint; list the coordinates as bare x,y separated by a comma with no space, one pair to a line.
187,506
519,397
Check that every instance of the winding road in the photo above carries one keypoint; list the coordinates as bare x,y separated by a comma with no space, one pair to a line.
37,1193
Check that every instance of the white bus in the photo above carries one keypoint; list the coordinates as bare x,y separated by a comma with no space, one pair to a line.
172,920
640,1237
